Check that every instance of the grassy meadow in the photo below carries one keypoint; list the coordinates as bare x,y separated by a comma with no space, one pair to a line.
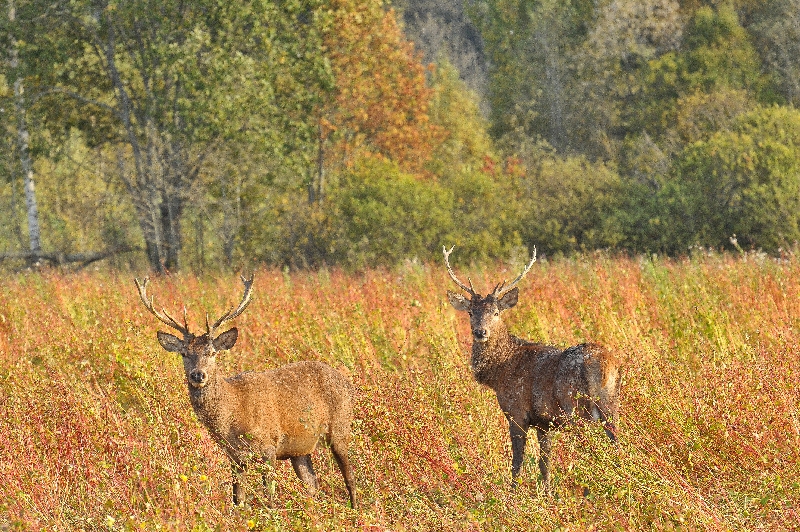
96,430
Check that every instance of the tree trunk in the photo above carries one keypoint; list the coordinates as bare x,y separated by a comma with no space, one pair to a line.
232,222
16,227
171,210
34,234
145,195
554,87
316,188
145,201
23,138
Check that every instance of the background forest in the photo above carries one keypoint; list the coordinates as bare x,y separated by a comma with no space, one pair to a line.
304,133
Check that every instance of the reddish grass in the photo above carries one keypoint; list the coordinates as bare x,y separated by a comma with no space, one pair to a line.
96,431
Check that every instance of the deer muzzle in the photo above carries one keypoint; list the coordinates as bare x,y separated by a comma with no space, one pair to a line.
198,378
480,335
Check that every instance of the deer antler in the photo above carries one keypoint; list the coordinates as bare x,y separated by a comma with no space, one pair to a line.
231,314
453,275
501,289
162,316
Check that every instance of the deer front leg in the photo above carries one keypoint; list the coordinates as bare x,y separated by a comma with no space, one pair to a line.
544,456
268,471
237,473
519,435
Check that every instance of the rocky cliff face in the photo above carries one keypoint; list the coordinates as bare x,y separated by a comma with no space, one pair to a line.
442,28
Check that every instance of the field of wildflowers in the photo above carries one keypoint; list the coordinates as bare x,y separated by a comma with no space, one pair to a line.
96,430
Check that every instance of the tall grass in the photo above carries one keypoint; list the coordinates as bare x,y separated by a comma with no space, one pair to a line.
96,430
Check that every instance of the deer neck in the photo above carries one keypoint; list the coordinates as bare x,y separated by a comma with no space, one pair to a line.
212,404
489,358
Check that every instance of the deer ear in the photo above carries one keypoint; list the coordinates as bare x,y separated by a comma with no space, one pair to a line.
458,301
171,343
509,299
226,340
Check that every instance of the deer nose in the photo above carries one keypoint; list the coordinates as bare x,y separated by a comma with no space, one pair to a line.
198,377
480,334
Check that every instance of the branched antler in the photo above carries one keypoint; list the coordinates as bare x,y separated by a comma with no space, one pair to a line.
501,289
231,314
453,275
162,316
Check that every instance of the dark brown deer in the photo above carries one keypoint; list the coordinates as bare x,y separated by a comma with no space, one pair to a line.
279,414
537,385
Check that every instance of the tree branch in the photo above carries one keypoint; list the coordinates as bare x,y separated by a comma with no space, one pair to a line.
83,99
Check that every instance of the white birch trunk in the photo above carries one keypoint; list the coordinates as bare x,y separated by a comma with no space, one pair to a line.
23,138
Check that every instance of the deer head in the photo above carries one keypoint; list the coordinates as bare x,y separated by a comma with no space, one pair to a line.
484,312
198,352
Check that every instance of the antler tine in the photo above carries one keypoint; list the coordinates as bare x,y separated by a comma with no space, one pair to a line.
502,289
498,287
163,316
453,275
231,314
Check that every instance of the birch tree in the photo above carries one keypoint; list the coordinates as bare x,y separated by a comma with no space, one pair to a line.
22,133
180,78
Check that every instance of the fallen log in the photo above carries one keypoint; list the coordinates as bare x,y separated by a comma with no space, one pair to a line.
58,258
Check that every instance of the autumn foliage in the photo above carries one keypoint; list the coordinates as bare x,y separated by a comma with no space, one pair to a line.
380,107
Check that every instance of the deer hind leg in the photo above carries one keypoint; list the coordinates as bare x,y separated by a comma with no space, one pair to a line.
340,454
305,471
597,410
601,413
593,408
610,409
545,445
611,431
601,408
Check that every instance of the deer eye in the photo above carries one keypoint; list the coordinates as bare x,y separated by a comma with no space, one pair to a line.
496,312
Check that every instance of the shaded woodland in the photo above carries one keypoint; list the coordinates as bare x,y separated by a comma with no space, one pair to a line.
316,132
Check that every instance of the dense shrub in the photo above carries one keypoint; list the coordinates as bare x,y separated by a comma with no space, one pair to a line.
383,215
743,181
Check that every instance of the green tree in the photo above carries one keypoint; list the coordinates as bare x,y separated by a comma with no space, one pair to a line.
485,217
608,81
384,216
777,30
454,109
177,79
530,47
743,181
717,58
377,214
569,205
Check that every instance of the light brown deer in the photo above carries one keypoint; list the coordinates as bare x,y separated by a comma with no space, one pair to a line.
278,414
537,385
